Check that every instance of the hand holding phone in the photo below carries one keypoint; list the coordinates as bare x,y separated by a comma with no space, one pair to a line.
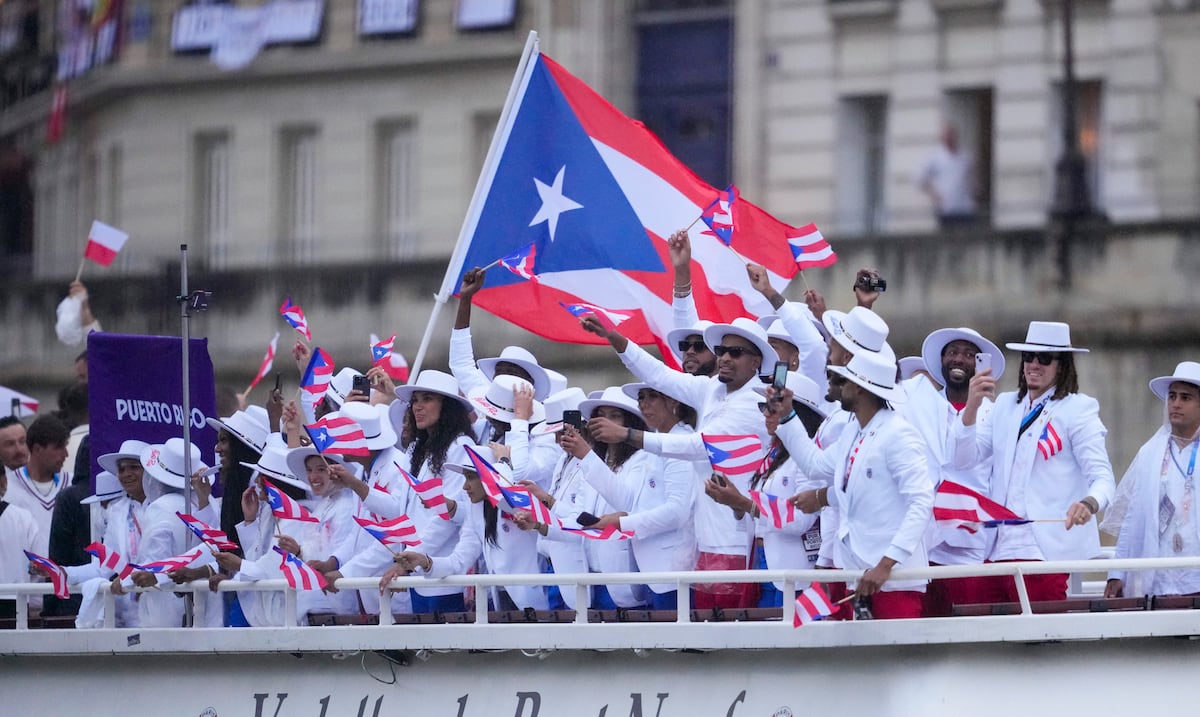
779,376
982,360
362,384
586,519
574,419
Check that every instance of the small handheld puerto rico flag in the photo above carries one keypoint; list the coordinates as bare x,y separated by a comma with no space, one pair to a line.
812,605
958,506
609,533
172,563
520,262
431,493
719,215
384,355
294,315
397,531
58,576
208,534
317,374
734,455
809,248
778,510
267,362
490,476
110,560
520,498
299,575
1050,442
283,507
608,318
103,243
339,434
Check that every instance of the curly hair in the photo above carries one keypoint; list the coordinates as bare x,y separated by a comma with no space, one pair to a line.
1066,381
621,452
431,444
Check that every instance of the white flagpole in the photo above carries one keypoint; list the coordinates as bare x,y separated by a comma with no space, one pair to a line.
486,176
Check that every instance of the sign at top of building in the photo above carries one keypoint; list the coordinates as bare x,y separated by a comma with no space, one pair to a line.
198,27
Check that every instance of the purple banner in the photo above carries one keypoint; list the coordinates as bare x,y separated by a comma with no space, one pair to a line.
135,391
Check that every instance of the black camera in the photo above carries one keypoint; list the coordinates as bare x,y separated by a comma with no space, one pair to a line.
871,283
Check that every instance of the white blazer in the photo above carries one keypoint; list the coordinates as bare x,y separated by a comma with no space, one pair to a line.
797,544
1081,468
659,496
885,506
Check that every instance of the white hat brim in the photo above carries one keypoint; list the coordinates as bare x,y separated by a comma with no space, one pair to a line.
109,461
296,459
278,477
931,351
405,393
894,394
1048,349
1162,384
101,497
588,407
220,425
161,474
541,379
713,335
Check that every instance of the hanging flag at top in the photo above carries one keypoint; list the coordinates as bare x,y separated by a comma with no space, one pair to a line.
609,533
811,605
284,507
734,455
610,320
317,375
397,531
209,535
521,261
1050,442
110,560
294,315
778,510
430,492
268,361
490,476
719,215
338,434
810,248
172,563
385,355
15,403
958,506
103,243
298,574
599,195
58,576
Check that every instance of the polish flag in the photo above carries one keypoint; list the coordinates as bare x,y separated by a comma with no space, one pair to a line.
103,243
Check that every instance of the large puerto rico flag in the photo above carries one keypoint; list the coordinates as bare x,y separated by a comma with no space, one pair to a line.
597,194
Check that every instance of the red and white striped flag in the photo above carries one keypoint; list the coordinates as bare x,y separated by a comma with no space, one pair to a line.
299,575
385,355
778,510
58,576
110,560
812,605
57,121
209,535
734,455
957,506
609,533
267,362
16,403
338,434
172,563
431,493
294,315
397,531
809,248
103,243
283,507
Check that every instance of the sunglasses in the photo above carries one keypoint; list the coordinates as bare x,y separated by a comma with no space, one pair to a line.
1043,357
735,352
695,345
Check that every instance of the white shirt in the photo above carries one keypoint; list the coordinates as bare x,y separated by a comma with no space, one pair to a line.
18,532
951,175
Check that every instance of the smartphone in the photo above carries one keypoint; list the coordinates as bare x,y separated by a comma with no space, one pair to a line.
982,360
585,519
779,377
278,382
362,384
573,419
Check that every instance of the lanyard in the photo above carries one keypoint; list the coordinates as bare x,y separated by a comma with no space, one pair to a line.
862,436
1187,475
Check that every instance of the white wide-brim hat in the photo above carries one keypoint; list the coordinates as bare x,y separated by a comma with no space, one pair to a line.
613,396
1187,372
431,381
909,365
858,330
633,389
246,427
273,465
558,382
375,422
486,454
1052,336
674,336
129,450
526,360
804,390
107,488
297,469
341,385
937,341
556,404
776,331
875,373
164,462
497,402
749,330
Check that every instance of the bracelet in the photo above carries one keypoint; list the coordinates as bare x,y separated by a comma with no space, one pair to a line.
788,417
685,287
629,435
1092,504
825,500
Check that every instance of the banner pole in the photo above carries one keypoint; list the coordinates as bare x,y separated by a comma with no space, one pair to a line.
458,256
189,598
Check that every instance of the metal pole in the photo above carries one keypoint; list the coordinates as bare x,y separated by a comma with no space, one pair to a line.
189,598
1072,202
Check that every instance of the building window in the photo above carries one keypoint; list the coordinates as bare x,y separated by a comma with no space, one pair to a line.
862,141
299,153
483,127
1088,119
967,122
397,181
212,197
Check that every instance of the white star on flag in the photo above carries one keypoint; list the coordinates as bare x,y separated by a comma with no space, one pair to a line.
553,202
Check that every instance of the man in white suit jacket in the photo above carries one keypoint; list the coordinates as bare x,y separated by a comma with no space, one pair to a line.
1046,444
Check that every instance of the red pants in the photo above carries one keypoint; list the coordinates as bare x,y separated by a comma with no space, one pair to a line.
897,604
1003,588
727,596
942,595
837,592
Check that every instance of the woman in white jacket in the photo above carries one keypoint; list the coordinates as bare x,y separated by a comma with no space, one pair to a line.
654,496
